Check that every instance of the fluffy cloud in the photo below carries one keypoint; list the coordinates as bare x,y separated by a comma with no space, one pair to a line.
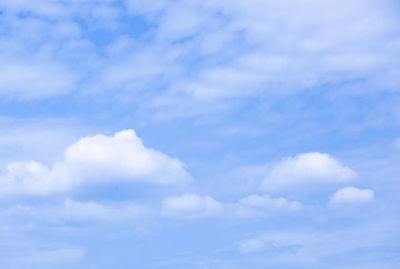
123,156
263,205
352,195
313,167
190,206
100,158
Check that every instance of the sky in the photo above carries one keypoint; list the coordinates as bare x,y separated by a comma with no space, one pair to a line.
199,134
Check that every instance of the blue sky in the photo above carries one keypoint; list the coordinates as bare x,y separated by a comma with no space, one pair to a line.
199,134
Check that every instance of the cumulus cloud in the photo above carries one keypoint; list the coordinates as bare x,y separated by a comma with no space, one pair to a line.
261,205
100,158
123,156
352,195
312,167
190,206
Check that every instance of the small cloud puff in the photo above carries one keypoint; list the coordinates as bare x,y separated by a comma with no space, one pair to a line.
261,205
190,206
312,167
352,195
100,158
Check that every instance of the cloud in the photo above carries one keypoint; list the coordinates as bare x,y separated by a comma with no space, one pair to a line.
294,47
34,79
80,212
190,206
96,159
257,245
251,245
46,255
269,244
307,168
262,205
259,47
360,244
123,156
44,7
58,9
145,7
352,195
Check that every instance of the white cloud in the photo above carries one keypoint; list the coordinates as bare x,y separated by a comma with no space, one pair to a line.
100,158
313,167
295,46
190,206
194,206
263,205
123,156
352,195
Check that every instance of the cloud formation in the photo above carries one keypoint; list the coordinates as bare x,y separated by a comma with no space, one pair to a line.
274,47
96,159
352,195
263,205
190,206
306,168
35,78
